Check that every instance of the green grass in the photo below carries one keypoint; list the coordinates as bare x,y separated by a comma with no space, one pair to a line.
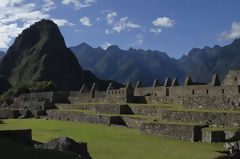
106,142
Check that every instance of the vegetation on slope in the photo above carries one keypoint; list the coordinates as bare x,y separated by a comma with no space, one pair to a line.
24,87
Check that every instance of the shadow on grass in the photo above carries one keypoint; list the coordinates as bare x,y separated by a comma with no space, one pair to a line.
1,122
224,156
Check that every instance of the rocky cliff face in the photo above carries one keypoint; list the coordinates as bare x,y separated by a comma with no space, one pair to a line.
40,54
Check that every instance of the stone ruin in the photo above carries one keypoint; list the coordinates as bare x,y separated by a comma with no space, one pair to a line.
200,112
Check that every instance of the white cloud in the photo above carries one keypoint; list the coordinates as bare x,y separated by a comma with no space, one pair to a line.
163,22
98,19
118,25
107,31
123,24
110,17
105,45
232,34
4,3
139,40
7,32
48,5
78,4
62,22
16,15
85,21
157,31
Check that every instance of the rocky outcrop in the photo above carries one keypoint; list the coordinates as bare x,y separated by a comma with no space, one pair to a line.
69,145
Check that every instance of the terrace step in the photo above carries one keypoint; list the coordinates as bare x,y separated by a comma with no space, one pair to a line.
130,121
110,108
216,118
181,131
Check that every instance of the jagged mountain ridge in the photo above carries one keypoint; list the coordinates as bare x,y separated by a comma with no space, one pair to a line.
126,65
202,63
146,65
39,53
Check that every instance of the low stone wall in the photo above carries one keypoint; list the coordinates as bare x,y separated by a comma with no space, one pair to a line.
13,114
75,116
74,106
135,122
221,102
22,136
209,118
175,131
78,97
146,110
213,136
116,108
9,114
40,101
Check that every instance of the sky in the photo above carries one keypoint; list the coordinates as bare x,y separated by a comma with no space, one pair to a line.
171,26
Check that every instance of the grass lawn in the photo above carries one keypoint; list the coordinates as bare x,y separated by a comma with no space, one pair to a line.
106,142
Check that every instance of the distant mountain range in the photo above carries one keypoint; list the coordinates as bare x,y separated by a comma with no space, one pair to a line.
123,66
146,65
39,53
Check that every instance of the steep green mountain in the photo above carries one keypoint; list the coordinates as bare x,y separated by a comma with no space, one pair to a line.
40,54
2,54
202,63
126,65
133,65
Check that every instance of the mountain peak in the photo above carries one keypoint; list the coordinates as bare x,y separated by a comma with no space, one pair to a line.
113,48
236,42
39,53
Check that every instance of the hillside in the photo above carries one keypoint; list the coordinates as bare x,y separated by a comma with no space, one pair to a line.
126,65
202,63
39,53
2,54
146,65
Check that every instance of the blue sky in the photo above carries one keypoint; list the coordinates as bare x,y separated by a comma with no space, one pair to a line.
171,26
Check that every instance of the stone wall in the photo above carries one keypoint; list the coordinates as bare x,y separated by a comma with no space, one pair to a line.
209,118
75,116
232,78
40,100
13,114
135,122
180,132
80,97
22,136
213,136
116,108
